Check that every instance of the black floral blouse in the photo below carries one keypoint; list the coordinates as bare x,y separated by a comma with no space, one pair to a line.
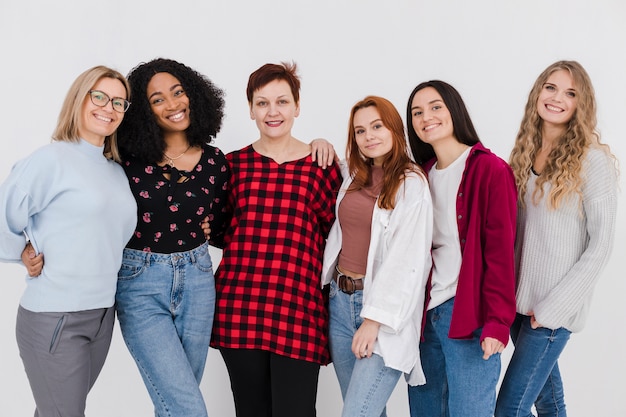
170,211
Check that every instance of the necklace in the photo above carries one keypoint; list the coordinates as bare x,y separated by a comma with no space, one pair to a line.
170,160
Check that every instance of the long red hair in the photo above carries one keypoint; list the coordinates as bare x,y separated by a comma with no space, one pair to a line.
395,164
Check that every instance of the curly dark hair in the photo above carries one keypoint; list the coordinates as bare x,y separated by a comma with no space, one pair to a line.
140,136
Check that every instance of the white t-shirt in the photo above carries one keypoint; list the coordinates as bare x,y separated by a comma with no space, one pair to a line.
444,186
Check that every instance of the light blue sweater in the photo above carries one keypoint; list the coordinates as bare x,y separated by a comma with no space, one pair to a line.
77,208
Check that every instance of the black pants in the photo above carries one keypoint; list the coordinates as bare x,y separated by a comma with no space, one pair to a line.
268,385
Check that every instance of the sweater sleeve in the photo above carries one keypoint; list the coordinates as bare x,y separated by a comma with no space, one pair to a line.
403,260
18,206
599,206
14,216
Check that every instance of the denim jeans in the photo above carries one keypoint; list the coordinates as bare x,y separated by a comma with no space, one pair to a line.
459,382
366,384
533,376
165,306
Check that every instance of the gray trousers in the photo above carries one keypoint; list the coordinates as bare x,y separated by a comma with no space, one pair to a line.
63,354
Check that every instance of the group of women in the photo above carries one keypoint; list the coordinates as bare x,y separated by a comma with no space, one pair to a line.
429,255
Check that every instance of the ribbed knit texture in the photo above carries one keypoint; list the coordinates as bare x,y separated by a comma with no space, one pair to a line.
561,253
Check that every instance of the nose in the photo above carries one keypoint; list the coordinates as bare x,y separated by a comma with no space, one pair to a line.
171,102
273,109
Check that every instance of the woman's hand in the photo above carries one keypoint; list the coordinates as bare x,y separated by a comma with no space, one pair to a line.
364,339
491,346
323,152
206,228
533,321
32,262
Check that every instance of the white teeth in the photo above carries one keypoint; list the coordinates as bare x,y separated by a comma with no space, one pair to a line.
430,127
104,119
177,117
552,108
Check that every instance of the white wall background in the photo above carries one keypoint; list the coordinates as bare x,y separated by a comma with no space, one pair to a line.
491,50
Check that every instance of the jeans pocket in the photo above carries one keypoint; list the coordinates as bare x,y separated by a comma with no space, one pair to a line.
130,270
203,261
56,335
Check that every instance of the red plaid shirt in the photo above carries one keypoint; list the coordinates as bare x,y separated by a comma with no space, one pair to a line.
269,295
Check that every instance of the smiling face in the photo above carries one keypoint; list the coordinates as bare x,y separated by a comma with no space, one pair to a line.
96,122
274,109
557,100
169,102
374,140
431,118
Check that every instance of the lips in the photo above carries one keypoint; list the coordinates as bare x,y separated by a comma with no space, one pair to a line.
554,108
103,118
274,123
177,117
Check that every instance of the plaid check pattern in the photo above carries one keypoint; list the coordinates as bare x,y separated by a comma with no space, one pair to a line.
269,295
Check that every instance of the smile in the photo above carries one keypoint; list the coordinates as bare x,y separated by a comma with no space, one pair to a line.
177,117
552,108
103,119
274,123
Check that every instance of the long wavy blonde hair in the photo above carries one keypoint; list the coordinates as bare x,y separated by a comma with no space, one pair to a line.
564,164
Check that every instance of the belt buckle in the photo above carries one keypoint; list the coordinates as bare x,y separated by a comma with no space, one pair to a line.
342,282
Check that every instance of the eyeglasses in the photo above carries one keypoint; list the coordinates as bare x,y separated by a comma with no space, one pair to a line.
101,99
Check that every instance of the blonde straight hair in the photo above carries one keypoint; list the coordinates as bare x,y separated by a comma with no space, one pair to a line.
68,124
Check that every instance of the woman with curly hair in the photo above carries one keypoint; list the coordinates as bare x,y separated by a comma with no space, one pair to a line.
567,182
166,291
471,297
377,261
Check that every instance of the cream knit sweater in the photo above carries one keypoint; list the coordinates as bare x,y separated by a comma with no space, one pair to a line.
561,253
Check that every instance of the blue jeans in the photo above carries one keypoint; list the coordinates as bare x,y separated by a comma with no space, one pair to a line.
165,306
459,382
533,376
366,384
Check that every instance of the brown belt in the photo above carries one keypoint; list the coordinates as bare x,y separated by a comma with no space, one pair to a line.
347,284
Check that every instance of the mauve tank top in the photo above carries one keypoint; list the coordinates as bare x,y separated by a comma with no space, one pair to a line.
355,217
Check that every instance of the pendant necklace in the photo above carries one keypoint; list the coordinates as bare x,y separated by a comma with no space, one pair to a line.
170,160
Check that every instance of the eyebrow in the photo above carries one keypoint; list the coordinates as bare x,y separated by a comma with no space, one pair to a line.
371,123
158,92
554,85
430,102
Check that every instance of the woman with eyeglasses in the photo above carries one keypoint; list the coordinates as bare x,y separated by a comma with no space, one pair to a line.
72,199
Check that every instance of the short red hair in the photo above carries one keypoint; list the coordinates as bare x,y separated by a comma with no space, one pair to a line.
270,72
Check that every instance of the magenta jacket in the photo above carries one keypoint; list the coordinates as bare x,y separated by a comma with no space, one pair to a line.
486,210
